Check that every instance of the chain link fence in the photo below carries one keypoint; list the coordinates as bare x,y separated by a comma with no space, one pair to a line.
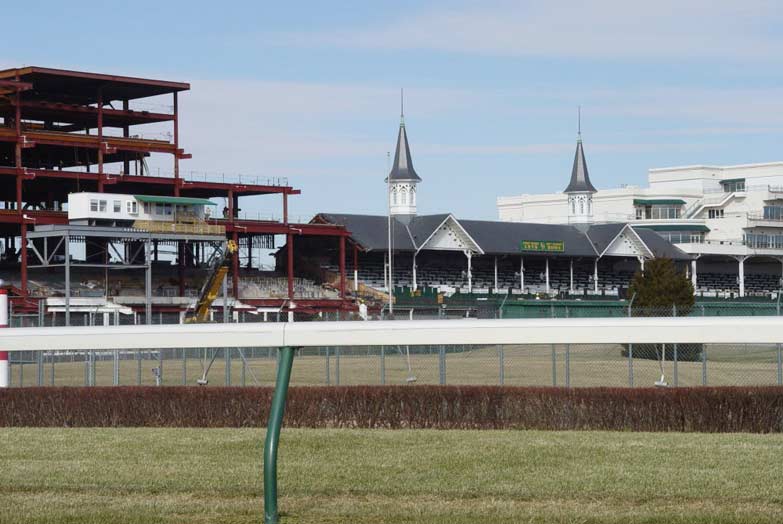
514,365
583,365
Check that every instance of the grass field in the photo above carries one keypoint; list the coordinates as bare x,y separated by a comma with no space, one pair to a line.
590,365
364,476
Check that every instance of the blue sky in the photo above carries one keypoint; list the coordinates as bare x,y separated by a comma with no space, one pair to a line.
310,90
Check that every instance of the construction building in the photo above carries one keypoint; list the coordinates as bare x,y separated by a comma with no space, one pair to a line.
70,132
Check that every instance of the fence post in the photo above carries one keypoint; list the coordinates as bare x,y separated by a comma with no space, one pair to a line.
227,358
92,368
554,366
442,364
273,434
40,367
703,365
138,368
675,362
51,379
160,366
116,368
502,364
336,366
630,365
383,365
243,369
184,366
328,371
780,367
568,366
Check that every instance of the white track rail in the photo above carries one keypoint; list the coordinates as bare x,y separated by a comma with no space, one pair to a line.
705,330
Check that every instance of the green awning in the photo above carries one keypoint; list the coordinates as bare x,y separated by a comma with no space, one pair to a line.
683,227
732,180
174,200
658,202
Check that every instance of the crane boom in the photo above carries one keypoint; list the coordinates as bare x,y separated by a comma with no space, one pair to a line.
211,287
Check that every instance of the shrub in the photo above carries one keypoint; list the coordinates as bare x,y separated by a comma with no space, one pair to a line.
758,409
685,352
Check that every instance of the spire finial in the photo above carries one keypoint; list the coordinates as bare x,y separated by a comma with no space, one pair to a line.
402,107
579,122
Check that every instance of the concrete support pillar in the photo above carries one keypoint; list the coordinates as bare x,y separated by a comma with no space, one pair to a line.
546,275
5,368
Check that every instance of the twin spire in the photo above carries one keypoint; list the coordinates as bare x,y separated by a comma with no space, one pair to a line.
402,168
580,178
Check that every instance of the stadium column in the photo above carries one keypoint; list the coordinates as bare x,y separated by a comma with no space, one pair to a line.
5,369
522,274
693,274
100,140
571,276
741,261
496,274
355,268
235,267
595,276
415,282
546,274
290,265
469,254
342,266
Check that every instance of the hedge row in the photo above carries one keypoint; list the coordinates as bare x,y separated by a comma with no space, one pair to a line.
758,410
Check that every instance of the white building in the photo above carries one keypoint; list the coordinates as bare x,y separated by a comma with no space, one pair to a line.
723,215
120,209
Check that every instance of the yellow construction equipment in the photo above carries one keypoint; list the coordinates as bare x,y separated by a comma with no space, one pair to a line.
211,288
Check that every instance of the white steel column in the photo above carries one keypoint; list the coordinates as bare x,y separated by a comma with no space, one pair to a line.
693,274
470,271
385,272
5,368
415,284
522,274
641,263
595,276
546,272
496,274
741,261
571,277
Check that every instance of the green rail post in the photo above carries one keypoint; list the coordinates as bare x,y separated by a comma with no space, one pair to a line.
271,515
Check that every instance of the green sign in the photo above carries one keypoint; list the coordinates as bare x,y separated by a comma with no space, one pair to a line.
548,246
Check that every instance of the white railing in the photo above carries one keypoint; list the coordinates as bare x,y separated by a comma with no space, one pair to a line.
680,330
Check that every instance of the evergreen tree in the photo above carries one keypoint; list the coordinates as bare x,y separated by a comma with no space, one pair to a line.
660,288
659,291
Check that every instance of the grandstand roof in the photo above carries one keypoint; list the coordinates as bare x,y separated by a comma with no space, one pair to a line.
493,237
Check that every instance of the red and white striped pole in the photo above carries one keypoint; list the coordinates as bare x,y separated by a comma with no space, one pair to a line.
5,369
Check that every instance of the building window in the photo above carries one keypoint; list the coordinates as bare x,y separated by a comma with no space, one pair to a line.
132,207
734,186
102,206
168,209
773,212
117,206
159,209
147,208
581,206
94,206
715,213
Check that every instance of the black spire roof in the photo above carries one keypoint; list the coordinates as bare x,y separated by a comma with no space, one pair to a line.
580,178
402,169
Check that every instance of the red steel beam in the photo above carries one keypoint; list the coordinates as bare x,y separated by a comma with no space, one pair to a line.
342,267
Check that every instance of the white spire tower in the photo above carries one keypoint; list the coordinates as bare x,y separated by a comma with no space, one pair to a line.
402,178
580,190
